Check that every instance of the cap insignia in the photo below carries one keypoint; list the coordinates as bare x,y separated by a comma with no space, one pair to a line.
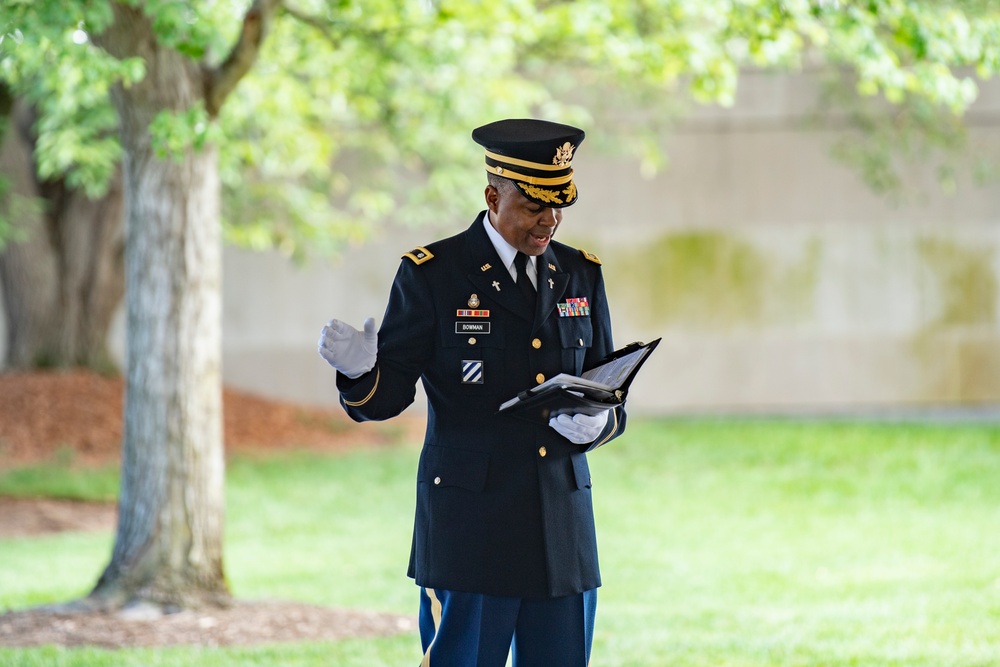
564,154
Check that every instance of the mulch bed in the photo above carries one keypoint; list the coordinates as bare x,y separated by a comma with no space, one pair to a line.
21,517
243,624
77,414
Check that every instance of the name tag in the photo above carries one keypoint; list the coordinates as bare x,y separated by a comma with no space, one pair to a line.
472,327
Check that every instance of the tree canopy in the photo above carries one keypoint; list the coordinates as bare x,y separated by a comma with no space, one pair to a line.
320,118
357,110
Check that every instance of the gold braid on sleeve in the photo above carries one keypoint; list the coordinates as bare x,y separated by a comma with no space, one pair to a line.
354,404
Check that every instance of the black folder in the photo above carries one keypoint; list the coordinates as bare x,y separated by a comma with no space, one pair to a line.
602,387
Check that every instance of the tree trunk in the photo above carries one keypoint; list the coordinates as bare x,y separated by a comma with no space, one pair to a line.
168,547
63,274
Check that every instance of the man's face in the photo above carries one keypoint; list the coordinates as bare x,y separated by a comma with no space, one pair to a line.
521,222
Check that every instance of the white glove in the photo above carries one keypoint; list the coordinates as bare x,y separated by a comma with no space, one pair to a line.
580,428
348,350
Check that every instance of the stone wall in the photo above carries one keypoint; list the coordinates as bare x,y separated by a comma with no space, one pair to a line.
780,282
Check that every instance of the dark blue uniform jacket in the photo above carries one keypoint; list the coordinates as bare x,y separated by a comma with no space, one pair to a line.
503,504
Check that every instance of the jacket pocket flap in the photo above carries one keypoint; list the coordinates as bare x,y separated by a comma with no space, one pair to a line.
470,333
576,332
447,466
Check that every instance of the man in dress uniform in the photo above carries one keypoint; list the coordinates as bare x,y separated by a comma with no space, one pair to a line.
504,548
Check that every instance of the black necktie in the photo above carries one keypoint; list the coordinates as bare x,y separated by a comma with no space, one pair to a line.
523,281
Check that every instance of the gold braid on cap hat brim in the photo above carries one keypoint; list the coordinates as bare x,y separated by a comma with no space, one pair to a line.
517,162
504,170
531,180
550,196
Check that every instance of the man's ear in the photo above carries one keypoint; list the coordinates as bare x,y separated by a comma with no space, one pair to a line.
492,198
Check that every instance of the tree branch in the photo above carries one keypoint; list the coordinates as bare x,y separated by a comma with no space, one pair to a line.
314,22
221,81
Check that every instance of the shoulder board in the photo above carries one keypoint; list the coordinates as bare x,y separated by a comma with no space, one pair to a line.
591,256
419,255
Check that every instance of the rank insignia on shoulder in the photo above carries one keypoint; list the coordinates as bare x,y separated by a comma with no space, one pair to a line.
419,255
591,256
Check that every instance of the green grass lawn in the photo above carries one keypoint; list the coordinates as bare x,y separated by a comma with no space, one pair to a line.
738,544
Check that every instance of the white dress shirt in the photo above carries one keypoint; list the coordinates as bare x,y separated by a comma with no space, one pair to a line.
508,252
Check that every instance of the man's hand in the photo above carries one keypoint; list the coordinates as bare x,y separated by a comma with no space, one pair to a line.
348,350
580,429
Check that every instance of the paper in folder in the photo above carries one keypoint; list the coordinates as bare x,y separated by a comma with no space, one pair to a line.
599,388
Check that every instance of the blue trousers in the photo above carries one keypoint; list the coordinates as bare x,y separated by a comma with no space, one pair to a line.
473,630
